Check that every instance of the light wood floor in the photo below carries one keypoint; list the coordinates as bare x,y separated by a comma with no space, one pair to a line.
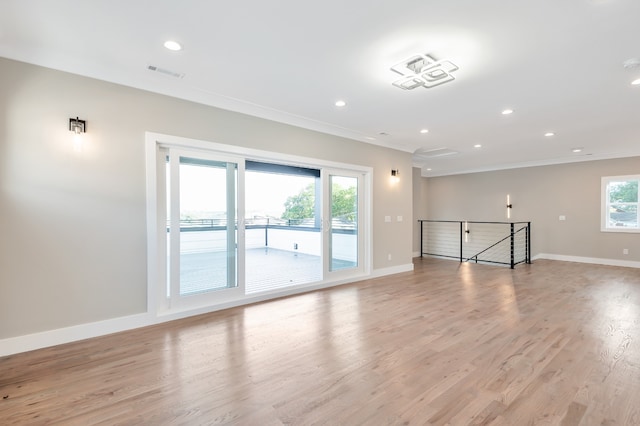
548,343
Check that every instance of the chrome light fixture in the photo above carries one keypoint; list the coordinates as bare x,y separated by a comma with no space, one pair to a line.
423,71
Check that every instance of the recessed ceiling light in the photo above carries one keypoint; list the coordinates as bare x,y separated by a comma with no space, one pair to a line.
631,63
549,134
172,45
576,150
340,103
423,131
477,145
636,82
507,111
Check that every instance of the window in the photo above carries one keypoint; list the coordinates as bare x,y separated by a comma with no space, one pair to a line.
282,220
620,204
229,224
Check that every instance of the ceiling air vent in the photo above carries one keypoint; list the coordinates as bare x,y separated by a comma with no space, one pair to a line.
433,153
165,71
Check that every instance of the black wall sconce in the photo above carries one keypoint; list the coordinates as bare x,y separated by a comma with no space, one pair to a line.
77,126
509,206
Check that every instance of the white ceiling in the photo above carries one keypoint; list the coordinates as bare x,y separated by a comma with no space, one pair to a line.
557,63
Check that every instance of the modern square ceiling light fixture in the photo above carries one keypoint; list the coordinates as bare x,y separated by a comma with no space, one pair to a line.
423,71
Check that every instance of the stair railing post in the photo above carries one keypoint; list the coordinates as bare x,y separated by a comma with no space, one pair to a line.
421,226
512,247
528,242
461,231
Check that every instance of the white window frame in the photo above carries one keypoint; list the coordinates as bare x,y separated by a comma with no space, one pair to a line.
175,301
156,228
327,224
605,204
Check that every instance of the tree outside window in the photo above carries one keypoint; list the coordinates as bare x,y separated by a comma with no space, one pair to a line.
301,206
620,206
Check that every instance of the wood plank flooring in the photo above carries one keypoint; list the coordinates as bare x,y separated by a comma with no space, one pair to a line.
552,343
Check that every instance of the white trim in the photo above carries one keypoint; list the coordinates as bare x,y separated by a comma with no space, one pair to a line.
368,222
155,141
151,160
479,262
176,302
256,298
152,138
364,201
526,164
14,345
408,267
29,342
605,204
592,260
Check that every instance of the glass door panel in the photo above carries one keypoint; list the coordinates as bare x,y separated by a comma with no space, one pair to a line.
202,224
282,226
207,226
343,224
237,227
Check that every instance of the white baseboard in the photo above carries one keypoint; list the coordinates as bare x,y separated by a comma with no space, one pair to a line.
29,342
391,270
592,260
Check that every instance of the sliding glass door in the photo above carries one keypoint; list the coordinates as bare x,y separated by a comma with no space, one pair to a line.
202,235
282,226
231,228
344,244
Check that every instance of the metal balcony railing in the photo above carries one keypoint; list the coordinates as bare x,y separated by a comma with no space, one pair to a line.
212,224
504,243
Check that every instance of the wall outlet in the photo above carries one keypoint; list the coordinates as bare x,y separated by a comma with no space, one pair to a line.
625,251
389,256
399,218
562,217
387,218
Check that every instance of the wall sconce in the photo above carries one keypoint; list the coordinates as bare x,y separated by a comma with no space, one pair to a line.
395,175
78,127
509,207
466,232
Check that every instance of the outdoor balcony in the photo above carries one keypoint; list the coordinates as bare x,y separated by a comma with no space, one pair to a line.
278,253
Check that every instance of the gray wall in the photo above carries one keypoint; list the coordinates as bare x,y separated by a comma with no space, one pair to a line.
72,226
420,205
540,195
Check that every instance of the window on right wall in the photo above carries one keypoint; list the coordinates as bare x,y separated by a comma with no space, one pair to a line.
620,204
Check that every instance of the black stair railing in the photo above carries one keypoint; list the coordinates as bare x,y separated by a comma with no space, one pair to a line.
505,243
